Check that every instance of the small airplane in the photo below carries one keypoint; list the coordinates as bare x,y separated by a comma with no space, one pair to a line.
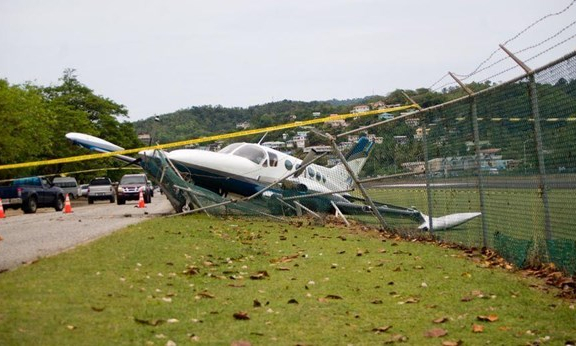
246,169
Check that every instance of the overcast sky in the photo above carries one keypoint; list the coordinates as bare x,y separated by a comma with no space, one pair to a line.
156,57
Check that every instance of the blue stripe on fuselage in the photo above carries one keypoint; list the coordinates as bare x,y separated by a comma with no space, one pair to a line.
218,182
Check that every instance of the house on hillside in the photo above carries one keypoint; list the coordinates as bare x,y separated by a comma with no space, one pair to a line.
415,167
318,149
342,146
420,133
360,109
275,145
144,138
401,140
337,123
378,104
412,122
385,116
243,125
299,141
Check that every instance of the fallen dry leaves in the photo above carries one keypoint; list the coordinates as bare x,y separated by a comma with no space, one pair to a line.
153,323
241,315
440,320
396,338
489,318
477,328
240,343
205,294
259,275
382,329
435,333
285,259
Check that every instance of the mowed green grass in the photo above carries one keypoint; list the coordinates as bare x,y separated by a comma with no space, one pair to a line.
182,280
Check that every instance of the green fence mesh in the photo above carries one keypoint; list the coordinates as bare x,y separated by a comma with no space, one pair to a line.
508,152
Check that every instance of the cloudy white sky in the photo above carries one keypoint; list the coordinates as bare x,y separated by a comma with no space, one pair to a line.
158,56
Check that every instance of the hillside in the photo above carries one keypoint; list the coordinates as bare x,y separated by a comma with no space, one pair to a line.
201,121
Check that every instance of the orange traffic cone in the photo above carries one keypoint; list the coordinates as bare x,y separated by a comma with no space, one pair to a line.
2,215
141,203
67,205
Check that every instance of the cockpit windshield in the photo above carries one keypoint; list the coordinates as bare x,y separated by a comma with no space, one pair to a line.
251,152
230,148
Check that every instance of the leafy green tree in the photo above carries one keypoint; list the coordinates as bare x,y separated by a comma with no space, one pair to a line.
26,125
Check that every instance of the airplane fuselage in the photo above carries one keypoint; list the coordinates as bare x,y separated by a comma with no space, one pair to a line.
245,169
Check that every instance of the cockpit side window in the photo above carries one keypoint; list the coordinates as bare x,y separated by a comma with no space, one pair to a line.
311,173
251,152
273,159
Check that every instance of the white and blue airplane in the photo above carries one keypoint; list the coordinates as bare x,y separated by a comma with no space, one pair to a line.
246,169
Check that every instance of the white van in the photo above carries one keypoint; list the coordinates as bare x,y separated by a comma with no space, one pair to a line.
68,184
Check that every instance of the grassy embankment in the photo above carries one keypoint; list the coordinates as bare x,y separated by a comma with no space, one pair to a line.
218,281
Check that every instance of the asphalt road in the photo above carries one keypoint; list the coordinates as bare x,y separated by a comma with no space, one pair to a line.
28,237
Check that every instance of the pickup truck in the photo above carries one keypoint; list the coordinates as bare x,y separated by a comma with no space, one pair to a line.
32,193
101,188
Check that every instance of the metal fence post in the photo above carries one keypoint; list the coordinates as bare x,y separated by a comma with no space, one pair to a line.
429,198
478,159
543,186
474,114
373,207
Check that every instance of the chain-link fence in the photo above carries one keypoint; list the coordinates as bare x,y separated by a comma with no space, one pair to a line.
507,152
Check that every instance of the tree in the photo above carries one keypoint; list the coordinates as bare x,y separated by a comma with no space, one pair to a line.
26,125
35,120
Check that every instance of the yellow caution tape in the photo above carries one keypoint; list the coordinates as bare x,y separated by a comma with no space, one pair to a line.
203,139
66,174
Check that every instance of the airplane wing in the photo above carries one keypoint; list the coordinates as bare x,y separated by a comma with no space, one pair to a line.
98,145
393,211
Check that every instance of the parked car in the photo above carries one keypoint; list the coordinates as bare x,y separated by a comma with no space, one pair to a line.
130,186
83,190
32,193
68,184
101,188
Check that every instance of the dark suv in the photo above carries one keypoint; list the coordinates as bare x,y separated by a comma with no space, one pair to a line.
130,186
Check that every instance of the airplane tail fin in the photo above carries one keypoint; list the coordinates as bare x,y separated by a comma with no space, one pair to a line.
356,158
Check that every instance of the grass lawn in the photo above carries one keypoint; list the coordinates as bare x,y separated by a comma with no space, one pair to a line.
206,280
